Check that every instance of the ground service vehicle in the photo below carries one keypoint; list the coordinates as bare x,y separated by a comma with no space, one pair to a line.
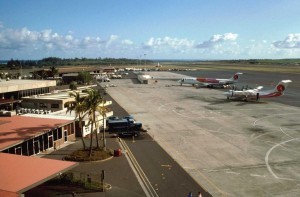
124,126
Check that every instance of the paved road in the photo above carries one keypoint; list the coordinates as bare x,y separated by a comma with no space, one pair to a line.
231,148
166,176
201,144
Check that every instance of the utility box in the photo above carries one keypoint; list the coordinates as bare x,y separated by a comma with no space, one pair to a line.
117,152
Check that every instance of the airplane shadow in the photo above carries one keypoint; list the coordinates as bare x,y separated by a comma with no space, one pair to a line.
184,86
210,88
237,101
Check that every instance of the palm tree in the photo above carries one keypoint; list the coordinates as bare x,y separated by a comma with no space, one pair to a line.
53,71
93,101
79,107
103,110
39,74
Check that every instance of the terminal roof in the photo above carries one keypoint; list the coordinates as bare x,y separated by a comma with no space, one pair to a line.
21,173
15,129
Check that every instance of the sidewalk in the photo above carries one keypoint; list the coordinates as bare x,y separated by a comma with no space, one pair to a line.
117,173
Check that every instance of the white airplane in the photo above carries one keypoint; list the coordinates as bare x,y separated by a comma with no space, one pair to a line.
210,82
255,94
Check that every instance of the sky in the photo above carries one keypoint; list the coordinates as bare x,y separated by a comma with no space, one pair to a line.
150,29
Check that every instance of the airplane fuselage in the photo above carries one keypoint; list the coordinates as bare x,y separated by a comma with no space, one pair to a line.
209,82
252,95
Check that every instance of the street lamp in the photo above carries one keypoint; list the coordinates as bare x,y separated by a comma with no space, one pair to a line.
21,73
145,59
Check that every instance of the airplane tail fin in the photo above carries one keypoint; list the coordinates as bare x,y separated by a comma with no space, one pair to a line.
235,77
281,86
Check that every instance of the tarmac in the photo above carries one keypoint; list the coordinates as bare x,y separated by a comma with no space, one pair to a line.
161,173
230,148
199,141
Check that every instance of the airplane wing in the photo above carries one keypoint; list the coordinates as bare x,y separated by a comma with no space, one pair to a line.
166,78
205,84
223,82
258,88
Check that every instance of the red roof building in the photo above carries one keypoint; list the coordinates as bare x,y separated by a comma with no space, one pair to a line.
21,173
31,135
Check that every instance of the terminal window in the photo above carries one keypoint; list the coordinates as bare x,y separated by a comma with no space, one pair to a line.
43,105
54,105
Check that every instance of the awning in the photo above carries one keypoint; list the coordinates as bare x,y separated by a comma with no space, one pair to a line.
8,101
21,173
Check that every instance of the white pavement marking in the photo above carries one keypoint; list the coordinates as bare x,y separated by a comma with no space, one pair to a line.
164,105
286,133
139,173
265,117
232,172
258,175
267,159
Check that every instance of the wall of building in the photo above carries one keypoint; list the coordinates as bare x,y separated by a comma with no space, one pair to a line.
23,85
144,79
43,104
87,128
47,140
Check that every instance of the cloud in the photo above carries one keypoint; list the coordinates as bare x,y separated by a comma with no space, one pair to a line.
29,44
217,39
127,42
22,39
290,42
47,42
88,42
218,46
168,42
111,40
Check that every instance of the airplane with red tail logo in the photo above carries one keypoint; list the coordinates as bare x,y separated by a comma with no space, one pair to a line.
256,94
210,82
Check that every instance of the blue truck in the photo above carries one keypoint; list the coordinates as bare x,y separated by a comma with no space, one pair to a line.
124,126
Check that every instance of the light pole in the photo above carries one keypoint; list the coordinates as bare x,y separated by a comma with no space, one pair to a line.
21,70
145,59
140,60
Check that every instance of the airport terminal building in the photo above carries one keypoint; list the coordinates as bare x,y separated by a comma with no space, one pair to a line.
25,136
33,120
30,136
11,92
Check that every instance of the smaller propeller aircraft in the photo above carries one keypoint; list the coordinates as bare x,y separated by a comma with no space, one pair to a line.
257,93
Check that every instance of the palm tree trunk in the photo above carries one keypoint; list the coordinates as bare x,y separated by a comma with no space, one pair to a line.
91,141
104,140
94,122
97,138
82,139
